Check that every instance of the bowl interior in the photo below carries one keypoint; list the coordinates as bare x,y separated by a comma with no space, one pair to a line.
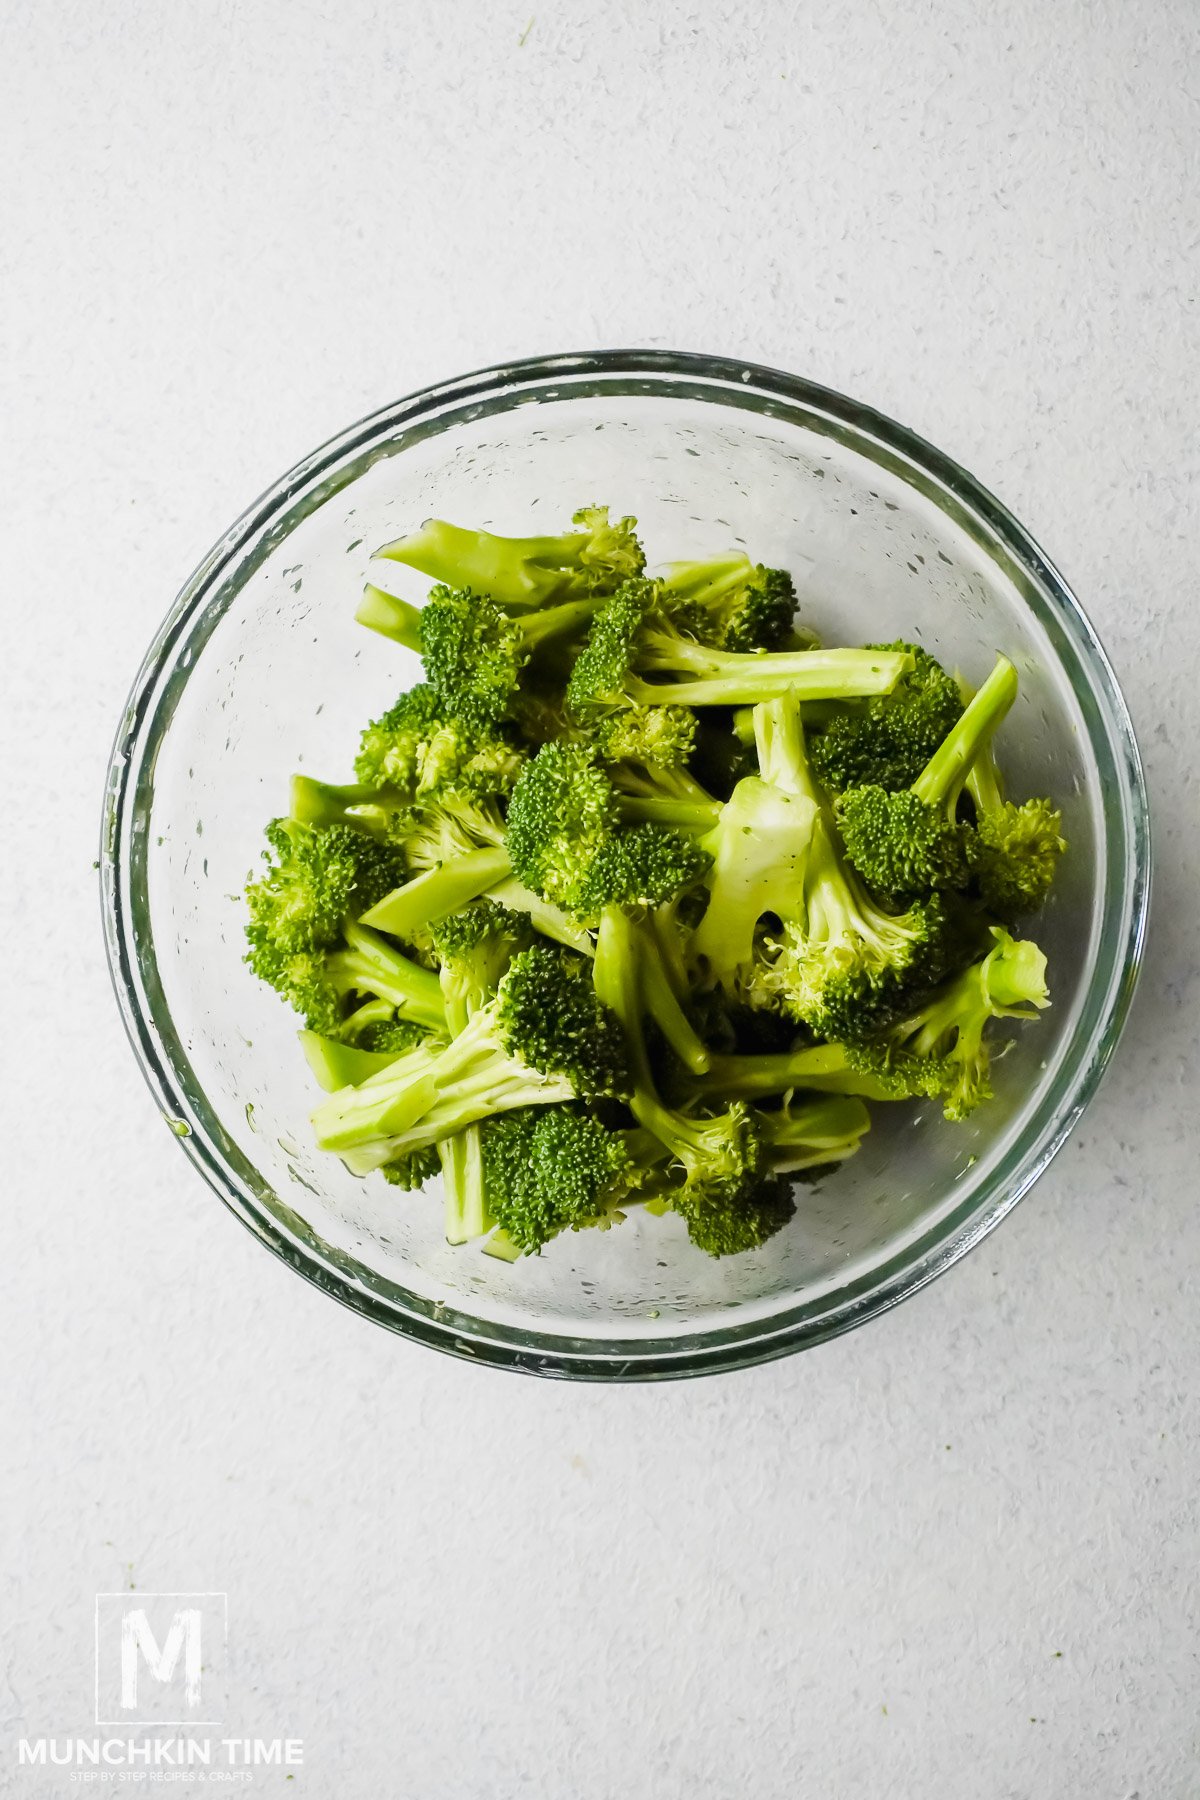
266,672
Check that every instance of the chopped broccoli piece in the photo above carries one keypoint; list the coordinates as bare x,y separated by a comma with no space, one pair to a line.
730,602
544,1038
567,843
529,571
1014,850
411,1169
552,1168
315,878
420,752
631,636
813,1134
886,742
947,1033
911,841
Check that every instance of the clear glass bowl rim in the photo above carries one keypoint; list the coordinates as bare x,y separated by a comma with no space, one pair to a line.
128,939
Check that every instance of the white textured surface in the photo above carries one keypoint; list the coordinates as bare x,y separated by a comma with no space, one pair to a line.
951,1555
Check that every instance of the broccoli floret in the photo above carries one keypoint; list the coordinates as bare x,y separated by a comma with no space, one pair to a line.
411,1170
831,958
552,1168
383,813
417,751
911,841
544,1038
887,741
724,1189
631,636
731,603
947,1033
1014,850
661,737
567,842
812,1134
315,878
526,571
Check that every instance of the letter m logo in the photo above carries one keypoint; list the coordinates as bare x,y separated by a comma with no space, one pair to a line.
160,1658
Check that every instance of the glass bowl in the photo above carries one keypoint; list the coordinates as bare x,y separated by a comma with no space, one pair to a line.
260,669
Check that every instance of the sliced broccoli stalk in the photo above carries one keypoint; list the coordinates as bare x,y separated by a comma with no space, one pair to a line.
474,948
631,637
820,1068
725,1193
391,617
526,571
568,844
544,1038
811,1134
911,841
337,1065
1008,983
370,965
886,742
550,920
439,892
730,602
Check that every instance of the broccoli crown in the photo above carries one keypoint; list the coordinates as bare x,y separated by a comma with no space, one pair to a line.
1014,852
850,965
413,1168
473,655
566,843
315,877
605,553
548,1016
419,751
604,664
301,977
550,1168
731,603
661,737
886,742
947,1033
474,948
897,1074
727,1198
900,844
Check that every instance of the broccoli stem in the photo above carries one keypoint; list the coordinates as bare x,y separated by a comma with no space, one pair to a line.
466,1215
557,621
664,1008
616,975
941,780
514,571
438,892
391,617
338,1065
543,915
815,1132
370,965
732,678
696,816
322,803
821,1067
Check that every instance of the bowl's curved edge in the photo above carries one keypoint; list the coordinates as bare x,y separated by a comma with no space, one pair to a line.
700,1355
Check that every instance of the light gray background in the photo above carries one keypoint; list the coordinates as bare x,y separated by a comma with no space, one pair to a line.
952,1555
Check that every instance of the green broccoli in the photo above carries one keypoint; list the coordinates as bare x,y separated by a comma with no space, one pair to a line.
315,878
545,1037
631,636
567,842
725,1192
555,1168
911,841
730,602
886,742
813,1133
1013,850
529,571
947,1033
835,961
420,753
475,653
474,949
